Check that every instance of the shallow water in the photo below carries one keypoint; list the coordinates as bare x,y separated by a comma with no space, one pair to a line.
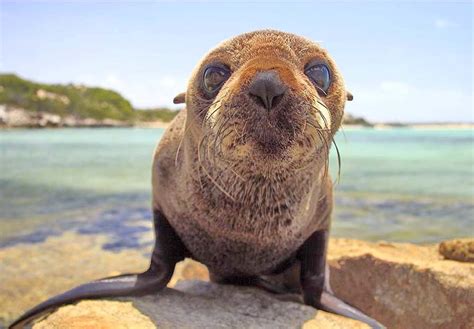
398,185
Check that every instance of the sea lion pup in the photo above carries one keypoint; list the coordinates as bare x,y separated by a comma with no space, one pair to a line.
240,178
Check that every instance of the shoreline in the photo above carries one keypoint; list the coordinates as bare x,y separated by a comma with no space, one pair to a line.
164,125
14,117
152,124
416,126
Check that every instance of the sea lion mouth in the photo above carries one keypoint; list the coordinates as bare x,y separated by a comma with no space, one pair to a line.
269,117
273,132
238,126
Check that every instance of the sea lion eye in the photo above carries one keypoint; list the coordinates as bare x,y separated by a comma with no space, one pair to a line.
213,79
320,76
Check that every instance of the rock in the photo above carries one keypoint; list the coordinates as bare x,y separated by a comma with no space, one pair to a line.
58,264
196,304
400,285
403,285
70,121
97,315
48,120
89,122
460,249
15,117
113,123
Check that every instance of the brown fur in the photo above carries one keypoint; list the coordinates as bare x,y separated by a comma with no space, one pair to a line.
244,189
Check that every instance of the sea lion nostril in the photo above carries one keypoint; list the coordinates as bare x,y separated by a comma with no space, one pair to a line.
267,89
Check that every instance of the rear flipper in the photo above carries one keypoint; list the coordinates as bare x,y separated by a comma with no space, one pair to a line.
315,281
167,252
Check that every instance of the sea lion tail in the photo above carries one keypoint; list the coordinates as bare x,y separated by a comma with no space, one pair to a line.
331,303
122,285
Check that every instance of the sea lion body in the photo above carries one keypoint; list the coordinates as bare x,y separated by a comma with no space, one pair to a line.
272,213
240,178
229,239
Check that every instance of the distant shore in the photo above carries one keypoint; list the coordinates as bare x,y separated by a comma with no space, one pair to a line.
152,124
164,125
14,117
418,126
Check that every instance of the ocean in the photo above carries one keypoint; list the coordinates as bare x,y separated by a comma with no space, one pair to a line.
396,185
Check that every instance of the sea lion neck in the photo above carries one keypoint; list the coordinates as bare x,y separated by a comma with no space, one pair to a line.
222,183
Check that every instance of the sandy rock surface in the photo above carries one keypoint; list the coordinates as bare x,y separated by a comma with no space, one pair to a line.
197,304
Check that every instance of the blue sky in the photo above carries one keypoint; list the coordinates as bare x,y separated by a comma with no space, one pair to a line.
409,62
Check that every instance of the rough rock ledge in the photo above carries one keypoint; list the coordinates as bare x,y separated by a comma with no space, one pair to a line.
401,285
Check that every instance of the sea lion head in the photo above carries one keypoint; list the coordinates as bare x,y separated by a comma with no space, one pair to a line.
265,101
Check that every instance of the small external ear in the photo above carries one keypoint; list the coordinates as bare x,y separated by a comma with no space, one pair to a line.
180,98
349,96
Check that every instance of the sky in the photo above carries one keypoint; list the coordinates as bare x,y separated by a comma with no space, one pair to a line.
403,61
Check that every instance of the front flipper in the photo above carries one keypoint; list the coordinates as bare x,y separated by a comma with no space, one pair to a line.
331,303
315,285
168,250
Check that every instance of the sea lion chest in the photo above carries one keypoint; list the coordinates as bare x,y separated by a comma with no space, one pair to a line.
237,239
228,251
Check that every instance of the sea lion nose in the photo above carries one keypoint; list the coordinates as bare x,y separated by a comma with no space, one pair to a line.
267,89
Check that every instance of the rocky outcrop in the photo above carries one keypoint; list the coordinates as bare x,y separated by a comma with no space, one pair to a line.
15,117
401,285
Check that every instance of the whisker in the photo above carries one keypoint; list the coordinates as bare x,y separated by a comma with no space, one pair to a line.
209,116
339,164
225,133
322,115
222,127
326,148
181,142
209,175
339,161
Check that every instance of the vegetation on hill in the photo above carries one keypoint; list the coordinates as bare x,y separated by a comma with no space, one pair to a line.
75,100
350,119
159,114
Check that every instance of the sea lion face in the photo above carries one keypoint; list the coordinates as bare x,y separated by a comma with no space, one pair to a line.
265,101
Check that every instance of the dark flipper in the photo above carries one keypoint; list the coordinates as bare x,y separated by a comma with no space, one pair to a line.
167,252
131,284
316,293
331,303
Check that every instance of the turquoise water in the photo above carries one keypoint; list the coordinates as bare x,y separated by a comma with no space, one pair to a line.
398,184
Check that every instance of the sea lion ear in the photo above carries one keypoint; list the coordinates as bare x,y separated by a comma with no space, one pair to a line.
349,96
180,98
